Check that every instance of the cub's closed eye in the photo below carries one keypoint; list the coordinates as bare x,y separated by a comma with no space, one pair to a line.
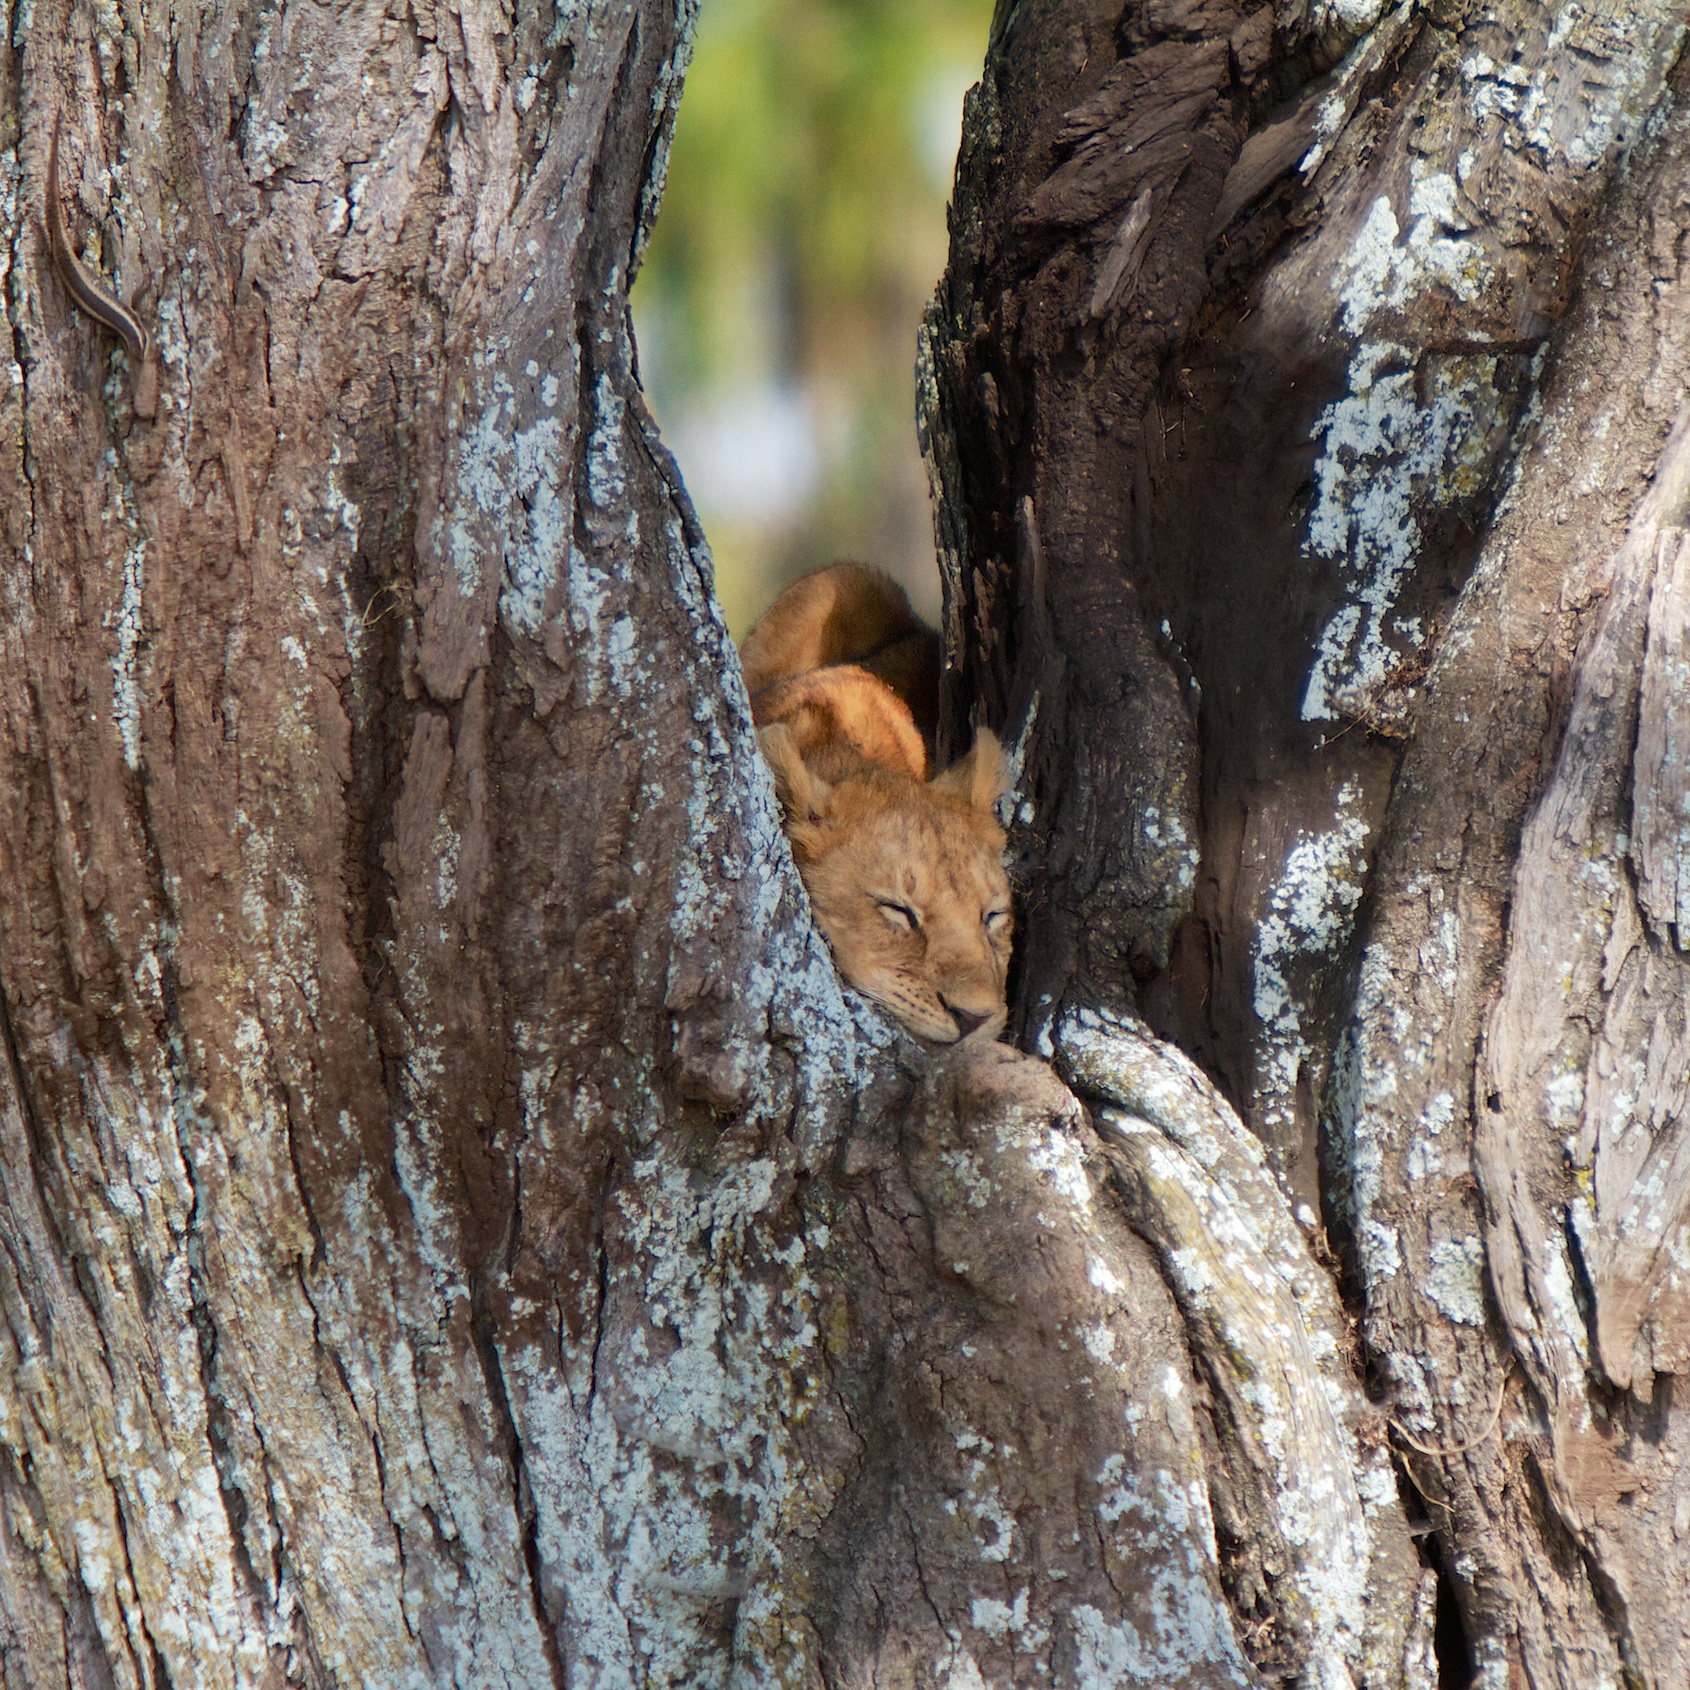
995,920
900,915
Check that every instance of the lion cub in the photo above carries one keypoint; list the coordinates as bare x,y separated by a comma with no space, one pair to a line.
905,873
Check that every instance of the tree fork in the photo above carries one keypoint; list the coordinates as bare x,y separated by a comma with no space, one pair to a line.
455,1227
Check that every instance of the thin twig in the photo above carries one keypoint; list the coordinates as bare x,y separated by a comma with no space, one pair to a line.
1458,1449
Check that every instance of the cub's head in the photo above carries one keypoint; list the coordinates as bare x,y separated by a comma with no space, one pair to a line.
907,881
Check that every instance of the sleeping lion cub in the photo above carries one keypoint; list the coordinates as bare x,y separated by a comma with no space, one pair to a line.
905,873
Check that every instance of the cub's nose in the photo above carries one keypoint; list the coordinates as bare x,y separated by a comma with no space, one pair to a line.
966,1020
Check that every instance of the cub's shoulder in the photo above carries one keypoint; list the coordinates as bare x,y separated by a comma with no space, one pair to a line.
848,613
842,716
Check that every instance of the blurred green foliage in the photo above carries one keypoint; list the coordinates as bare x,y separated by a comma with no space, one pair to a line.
801,233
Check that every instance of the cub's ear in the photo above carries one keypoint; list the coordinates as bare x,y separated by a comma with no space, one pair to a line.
803,794
982,777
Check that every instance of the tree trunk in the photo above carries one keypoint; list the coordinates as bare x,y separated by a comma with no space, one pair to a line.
1305,400
456,1228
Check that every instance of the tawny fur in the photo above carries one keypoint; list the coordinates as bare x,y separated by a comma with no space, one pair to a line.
905,873
848,613
841,717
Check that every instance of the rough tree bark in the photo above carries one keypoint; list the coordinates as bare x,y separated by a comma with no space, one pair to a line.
1306,403
453,1226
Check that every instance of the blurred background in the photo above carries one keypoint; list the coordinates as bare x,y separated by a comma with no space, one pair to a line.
801,235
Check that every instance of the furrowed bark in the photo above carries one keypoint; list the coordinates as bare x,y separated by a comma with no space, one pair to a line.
1540,1139
1323,370
453,1225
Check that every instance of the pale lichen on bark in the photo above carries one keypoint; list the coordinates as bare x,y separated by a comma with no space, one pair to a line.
1514,1020
1266,1322
458,1229
1394,455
